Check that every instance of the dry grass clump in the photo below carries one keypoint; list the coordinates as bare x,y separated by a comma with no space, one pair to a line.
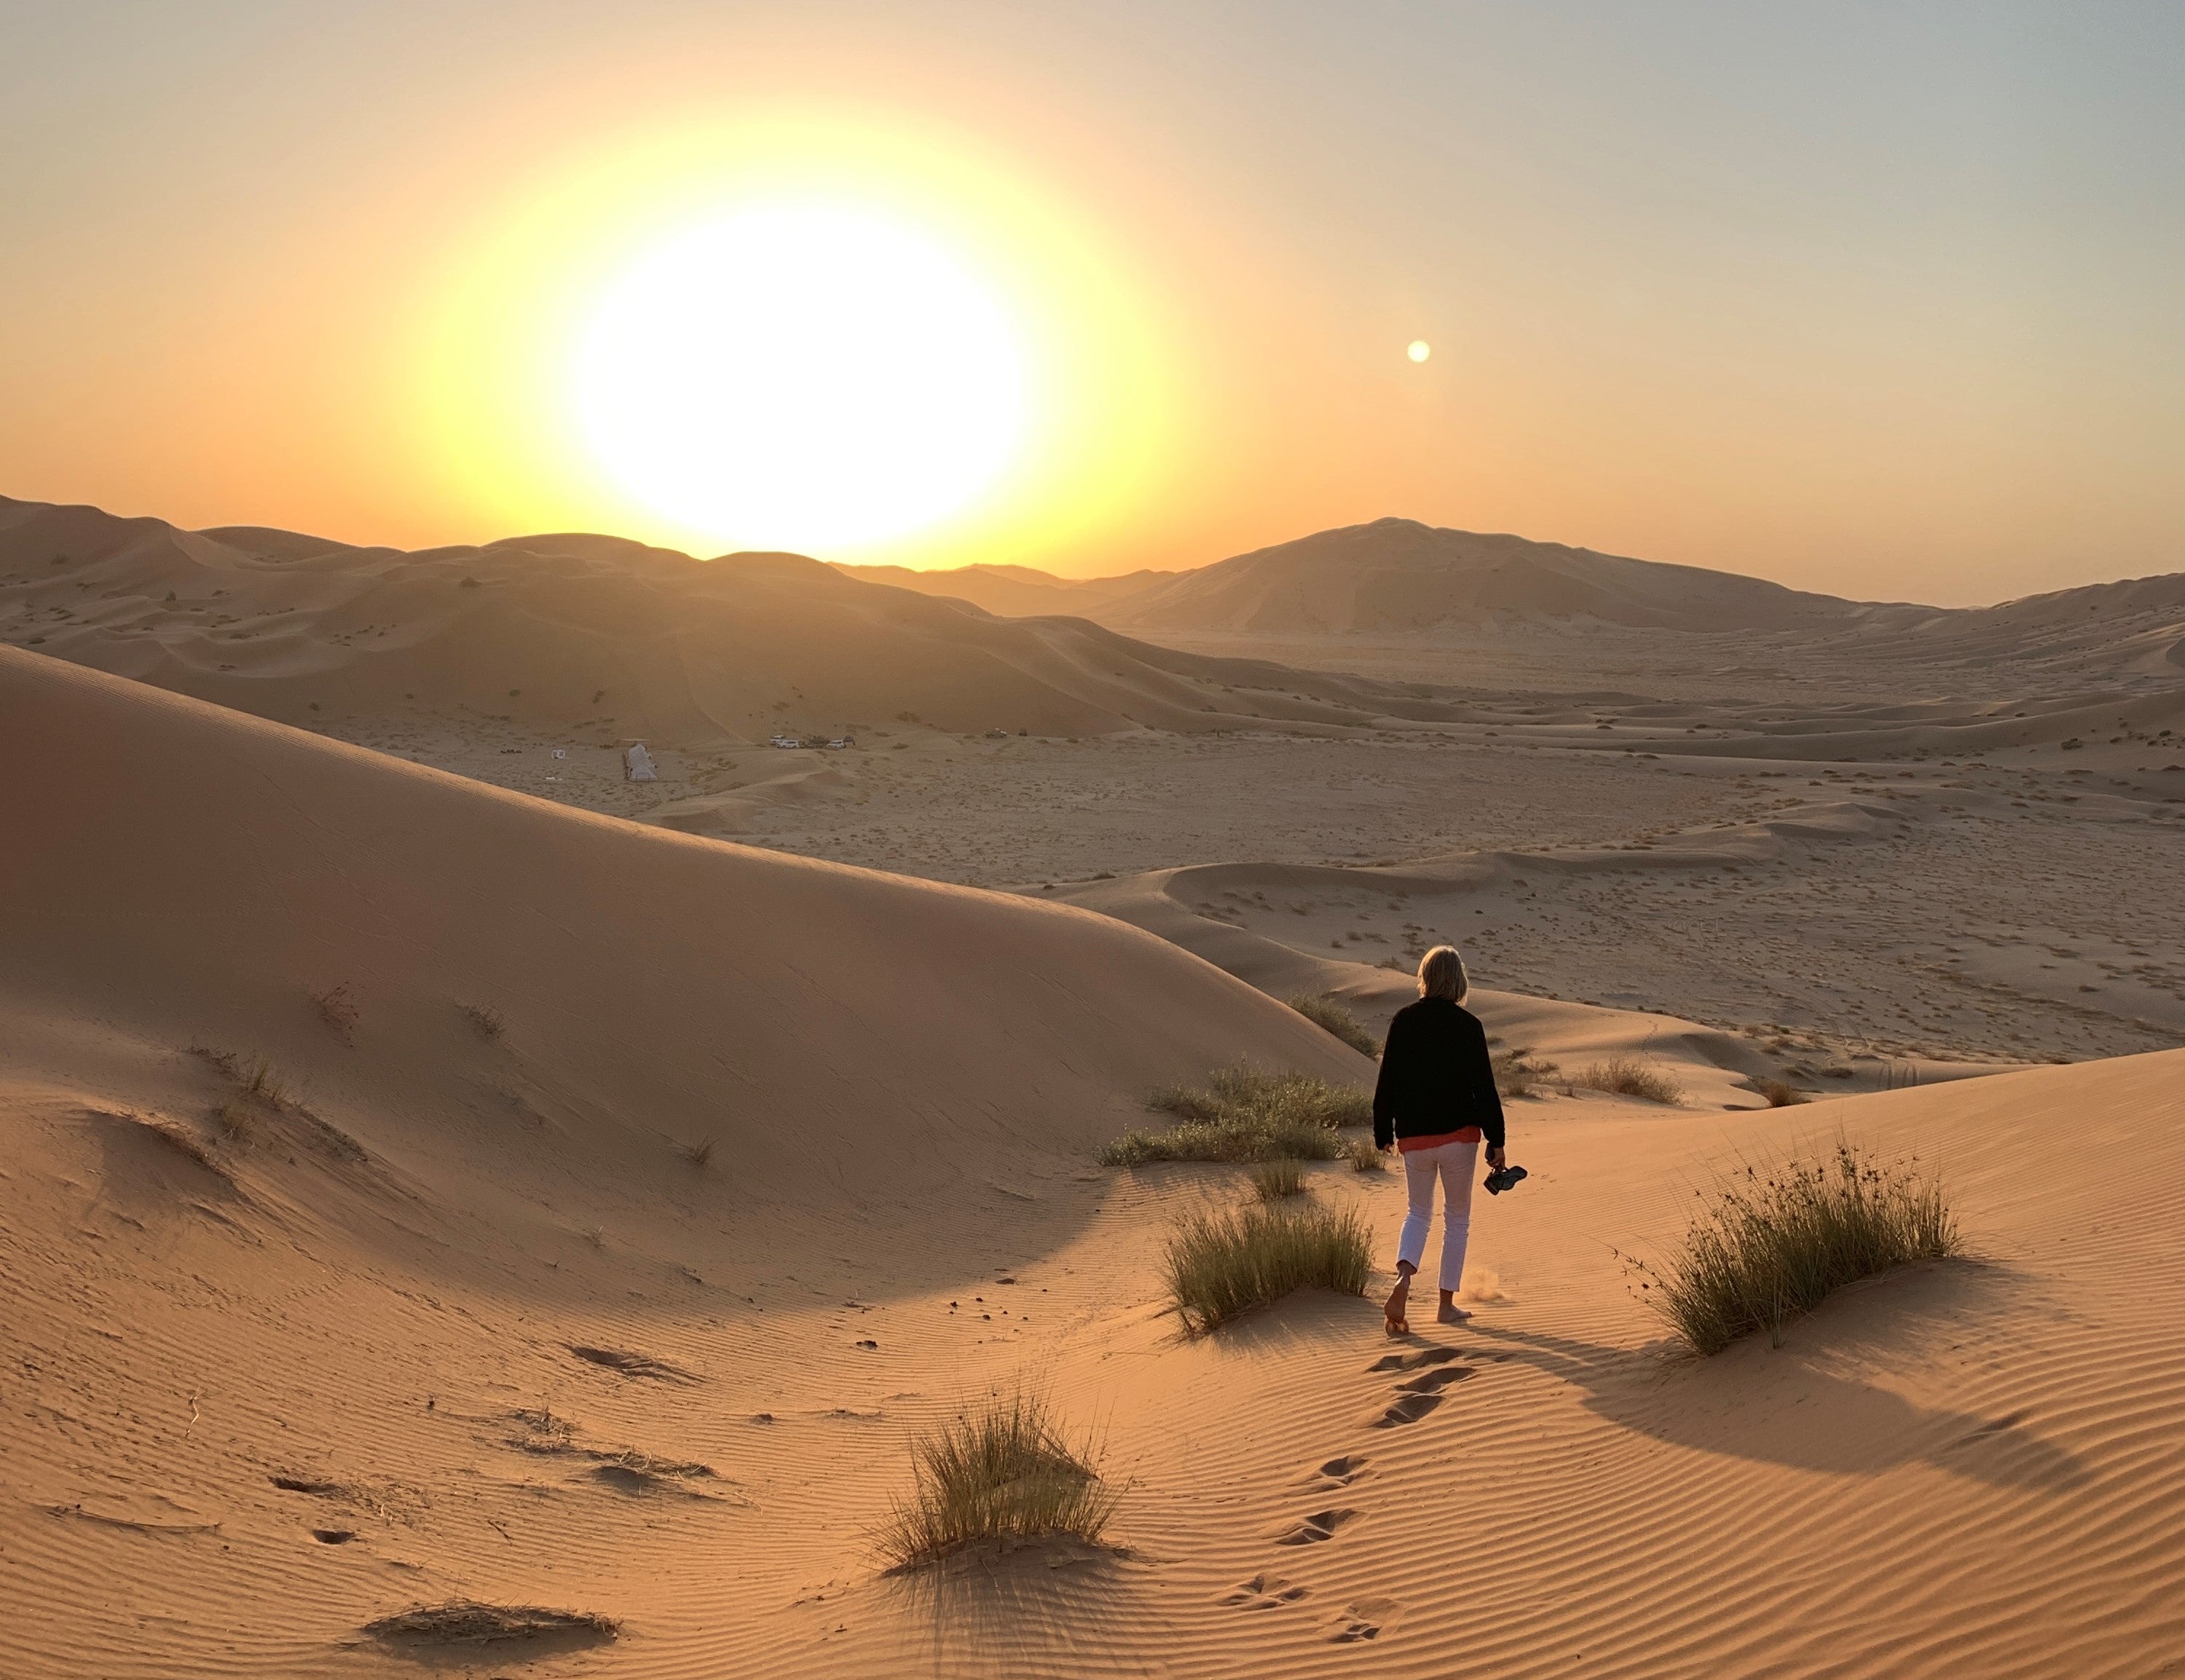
1780,1093
1517,1075
1247,1115
1332,1016
1273,1181
700,1153
464,1622
255,1077
1003,1472
485,1020
1776,1241
1632,1076
1222,1264
234,1122
1366,1156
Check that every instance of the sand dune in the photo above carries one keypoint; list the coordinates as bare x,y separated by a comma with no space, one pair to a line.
596,634
1398,574
415,1190
454,1317
1396,577
1013,591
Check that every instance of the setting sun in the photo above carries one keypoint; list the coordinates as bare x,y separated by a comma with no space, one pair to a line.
802,376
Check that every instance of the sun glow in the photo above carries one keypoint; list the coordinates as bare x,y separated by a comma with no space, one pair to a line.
816,332
802,376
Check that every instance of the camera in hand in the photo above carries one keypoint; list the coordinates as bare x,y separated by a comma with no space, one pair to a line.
1502,1178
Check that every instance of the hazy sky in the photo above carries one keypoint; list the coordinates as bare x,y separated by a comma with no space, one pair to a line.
1881,299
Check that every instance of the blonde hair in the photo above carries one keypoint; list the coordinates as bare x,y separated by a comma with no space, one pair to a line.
1441,975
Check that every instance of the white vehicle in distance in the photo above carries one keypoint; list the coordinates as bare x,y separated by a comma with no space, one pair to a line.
843,740
784,740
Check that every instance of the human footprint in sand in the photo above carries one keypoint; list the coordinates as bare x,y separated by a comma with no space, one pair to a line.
1435,1102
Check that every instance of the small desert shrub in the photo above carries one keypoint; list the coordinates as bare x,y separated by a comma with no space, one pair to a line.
1002,1472
1775,1240
1517,1075
1332,1017
1219,1264
1247,1115
485,1020
1780,1093
234,1122
258,1078
700,1153
1366,1158
1630,1076
1272,1180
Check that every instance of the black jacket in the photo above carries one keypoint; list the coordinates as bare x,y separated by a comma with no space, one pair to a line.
1435,1075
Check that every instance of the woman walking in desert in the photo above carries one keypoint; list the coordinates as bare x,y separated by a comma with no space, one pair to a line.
1435,1102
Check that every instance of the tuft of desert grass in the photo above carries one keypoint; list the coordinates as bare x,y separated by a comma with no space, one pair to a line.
1517,1075
1244,1114
1775,1241
485,1020
700,1153
338,1008
1366,1158
1333,1017
257,1077
1780,1093
1222,1264
1274,1180
234,1122
1001,1472
1632,1076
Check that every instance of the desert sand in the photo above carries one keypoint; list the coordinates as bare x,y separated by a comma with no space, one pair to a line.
424,1185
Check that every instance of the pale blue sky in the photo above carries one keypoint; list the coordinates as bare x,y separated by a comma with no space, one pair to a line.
1876,298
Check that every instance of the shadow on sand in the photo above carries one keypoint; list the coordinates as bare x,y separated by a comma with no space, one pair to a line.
992,1611
1798,1405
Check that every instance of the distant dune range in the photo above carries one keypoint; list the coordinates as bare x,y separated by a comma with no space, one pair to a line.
1397,576
576,632
573,630
414,1192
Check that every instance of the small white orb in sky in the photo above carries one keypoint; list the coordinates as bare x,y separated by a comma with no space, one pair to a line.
1419,349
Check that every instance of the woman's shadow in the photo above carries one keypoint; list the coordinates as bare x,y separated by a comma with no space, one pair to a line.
1797,1405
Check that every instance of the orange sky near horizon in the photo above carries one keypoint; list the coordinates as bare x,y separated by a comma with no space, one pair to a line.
1878,305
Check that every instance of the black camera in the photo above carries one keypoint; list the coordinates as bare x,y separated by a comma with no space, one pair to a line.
1502,1178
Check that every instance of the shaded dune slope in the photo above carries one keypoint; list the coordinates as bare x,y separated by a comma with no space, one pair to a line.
183,874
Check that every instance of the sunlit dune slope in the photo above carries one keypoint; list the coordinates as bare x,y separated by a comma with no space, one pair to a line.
177,874
594,633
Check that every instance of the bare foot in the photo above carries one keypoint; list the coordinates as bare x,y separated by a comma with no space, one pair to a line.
1398,1300
1451,1314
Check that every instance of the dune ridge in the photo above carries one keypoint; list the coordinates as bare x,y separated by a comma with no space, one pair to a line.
599,634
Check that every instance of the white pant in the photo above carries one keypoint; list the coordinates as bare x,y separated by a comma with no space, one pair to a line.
1453,1163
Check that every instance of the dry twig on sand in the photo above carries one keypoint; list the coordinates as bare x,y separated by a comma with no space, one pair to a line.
463,1622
